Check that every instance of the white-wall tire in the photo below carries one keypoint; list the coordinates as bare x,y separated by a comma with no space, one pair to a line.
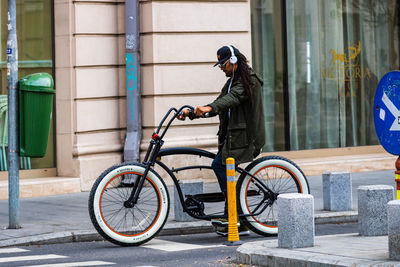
128,226
281,176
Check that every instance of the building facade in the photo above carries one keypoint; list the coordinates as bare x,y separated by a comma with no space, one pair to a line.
320,60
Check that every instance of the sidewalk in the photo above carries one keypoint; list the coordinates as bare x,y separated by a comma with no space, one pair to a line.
329,250
65,218
334,250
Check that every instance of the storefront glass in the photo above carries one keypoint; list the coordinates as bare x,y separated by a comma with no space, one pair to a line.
35,53
331,55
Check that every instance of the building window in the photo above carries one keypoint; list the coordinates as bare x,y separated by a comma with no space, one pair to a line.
35,54
321,62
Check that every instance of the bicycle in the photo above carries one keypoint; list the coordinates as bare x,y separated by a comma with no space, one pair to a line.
129,202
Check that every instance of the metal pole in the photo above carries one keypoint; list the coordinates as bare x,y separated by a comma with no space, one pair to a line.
12,80
285,75
133,106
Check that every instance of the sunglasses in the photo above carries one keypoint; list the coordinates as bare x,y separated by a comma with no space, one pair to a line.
223,65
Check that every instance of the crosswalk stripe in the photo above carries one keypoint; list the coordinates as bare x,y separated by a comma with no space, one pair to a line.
12,250
31,258
71,264
171,246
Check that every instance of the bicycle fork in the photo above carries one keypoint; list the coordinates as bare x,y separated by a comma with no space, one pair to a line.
137,188
154,148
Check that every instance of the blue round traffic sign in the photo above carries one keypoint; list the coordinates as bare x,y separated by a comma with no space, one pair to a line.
387,113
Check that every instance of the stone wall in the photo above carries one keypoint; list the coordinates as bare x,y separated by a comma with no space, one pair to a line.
178,42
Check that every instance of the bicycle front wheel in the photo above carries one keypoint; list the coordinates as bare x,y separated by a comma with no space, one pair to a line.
123,225
278,174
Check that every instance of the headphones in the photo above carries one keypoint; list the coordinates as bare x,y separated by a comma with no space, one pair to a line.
233,59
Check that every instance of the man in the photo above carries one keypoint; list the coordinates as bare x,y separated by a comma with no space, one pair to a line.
239,106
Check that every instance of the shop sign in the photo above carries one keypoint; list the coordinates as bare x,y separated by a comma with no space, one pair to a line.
387,113
346,66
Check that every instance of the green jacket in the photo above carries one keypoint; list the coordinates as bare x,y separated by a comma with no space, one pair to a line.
245,135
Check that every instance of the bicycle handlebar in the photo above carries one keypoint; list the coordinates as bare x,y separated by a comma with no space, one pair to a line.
177,113
192,116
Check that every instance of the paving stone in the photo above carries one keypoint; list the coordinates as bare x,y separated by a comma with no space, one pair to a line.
323,254
337,191
393,216
372,210
295,220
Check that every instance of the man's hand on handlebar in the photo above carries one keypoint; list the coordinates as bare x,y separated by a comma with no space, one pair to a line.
183,114
200,111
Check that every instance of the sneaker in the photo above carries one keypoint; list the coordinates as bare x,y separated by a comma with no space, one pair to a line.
221,227
222,233
243,230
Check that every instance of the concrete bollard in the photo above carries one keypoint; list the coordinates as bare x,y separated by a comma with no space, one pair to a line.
295,220
337,191
393,218
372,210
189,187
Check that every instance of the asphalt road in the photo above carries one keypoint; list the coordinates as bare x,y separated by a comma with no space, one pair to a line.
182,250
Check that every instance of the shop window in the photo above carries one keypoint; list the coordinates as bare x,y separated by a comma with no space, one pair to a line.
35,53
321,62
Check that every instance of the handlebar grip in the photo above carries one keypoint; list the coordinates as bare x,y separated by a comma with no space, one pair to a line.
192,116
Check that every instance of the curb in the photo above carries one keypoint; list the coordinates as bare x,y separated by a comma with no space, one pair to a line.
336,217
267,253
170,228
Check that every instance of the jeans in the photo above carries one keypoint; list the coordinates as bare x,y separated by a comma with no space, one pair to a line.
220,171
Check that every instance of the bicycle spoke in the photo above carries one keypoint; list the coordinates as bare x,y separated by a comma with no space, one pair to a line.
137,225
145,215
111,196
122,219
112,217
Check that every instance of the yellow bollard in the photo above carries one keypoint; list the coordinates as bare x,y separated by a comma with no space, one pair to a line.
397,177
233,232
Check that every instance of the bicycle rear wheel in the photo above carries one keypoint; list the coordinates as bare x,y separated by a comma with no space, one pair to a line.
281,176
122,225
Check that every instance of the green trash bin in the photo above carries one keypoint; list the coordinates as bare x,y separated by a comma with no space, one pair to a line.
35,112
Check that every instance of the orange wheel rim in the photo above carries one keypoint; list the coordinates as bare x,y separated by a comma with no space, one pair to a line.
159,210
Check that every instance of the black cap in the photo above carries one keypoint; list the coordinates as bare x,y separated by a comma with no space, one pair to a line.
225,53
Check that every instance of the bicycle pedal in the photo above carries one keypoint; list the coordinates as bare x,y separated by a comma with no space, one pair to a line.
224,232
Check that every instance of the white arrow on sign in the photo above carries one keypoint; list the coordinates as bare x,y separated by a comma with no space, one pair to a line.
396,113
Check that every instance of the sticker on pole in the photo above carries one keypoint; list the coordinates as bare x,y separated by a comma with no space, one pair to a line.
387,112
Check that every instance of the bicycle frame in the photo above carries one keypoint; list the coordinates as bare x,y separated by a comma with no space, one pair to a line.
207,154
154,152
